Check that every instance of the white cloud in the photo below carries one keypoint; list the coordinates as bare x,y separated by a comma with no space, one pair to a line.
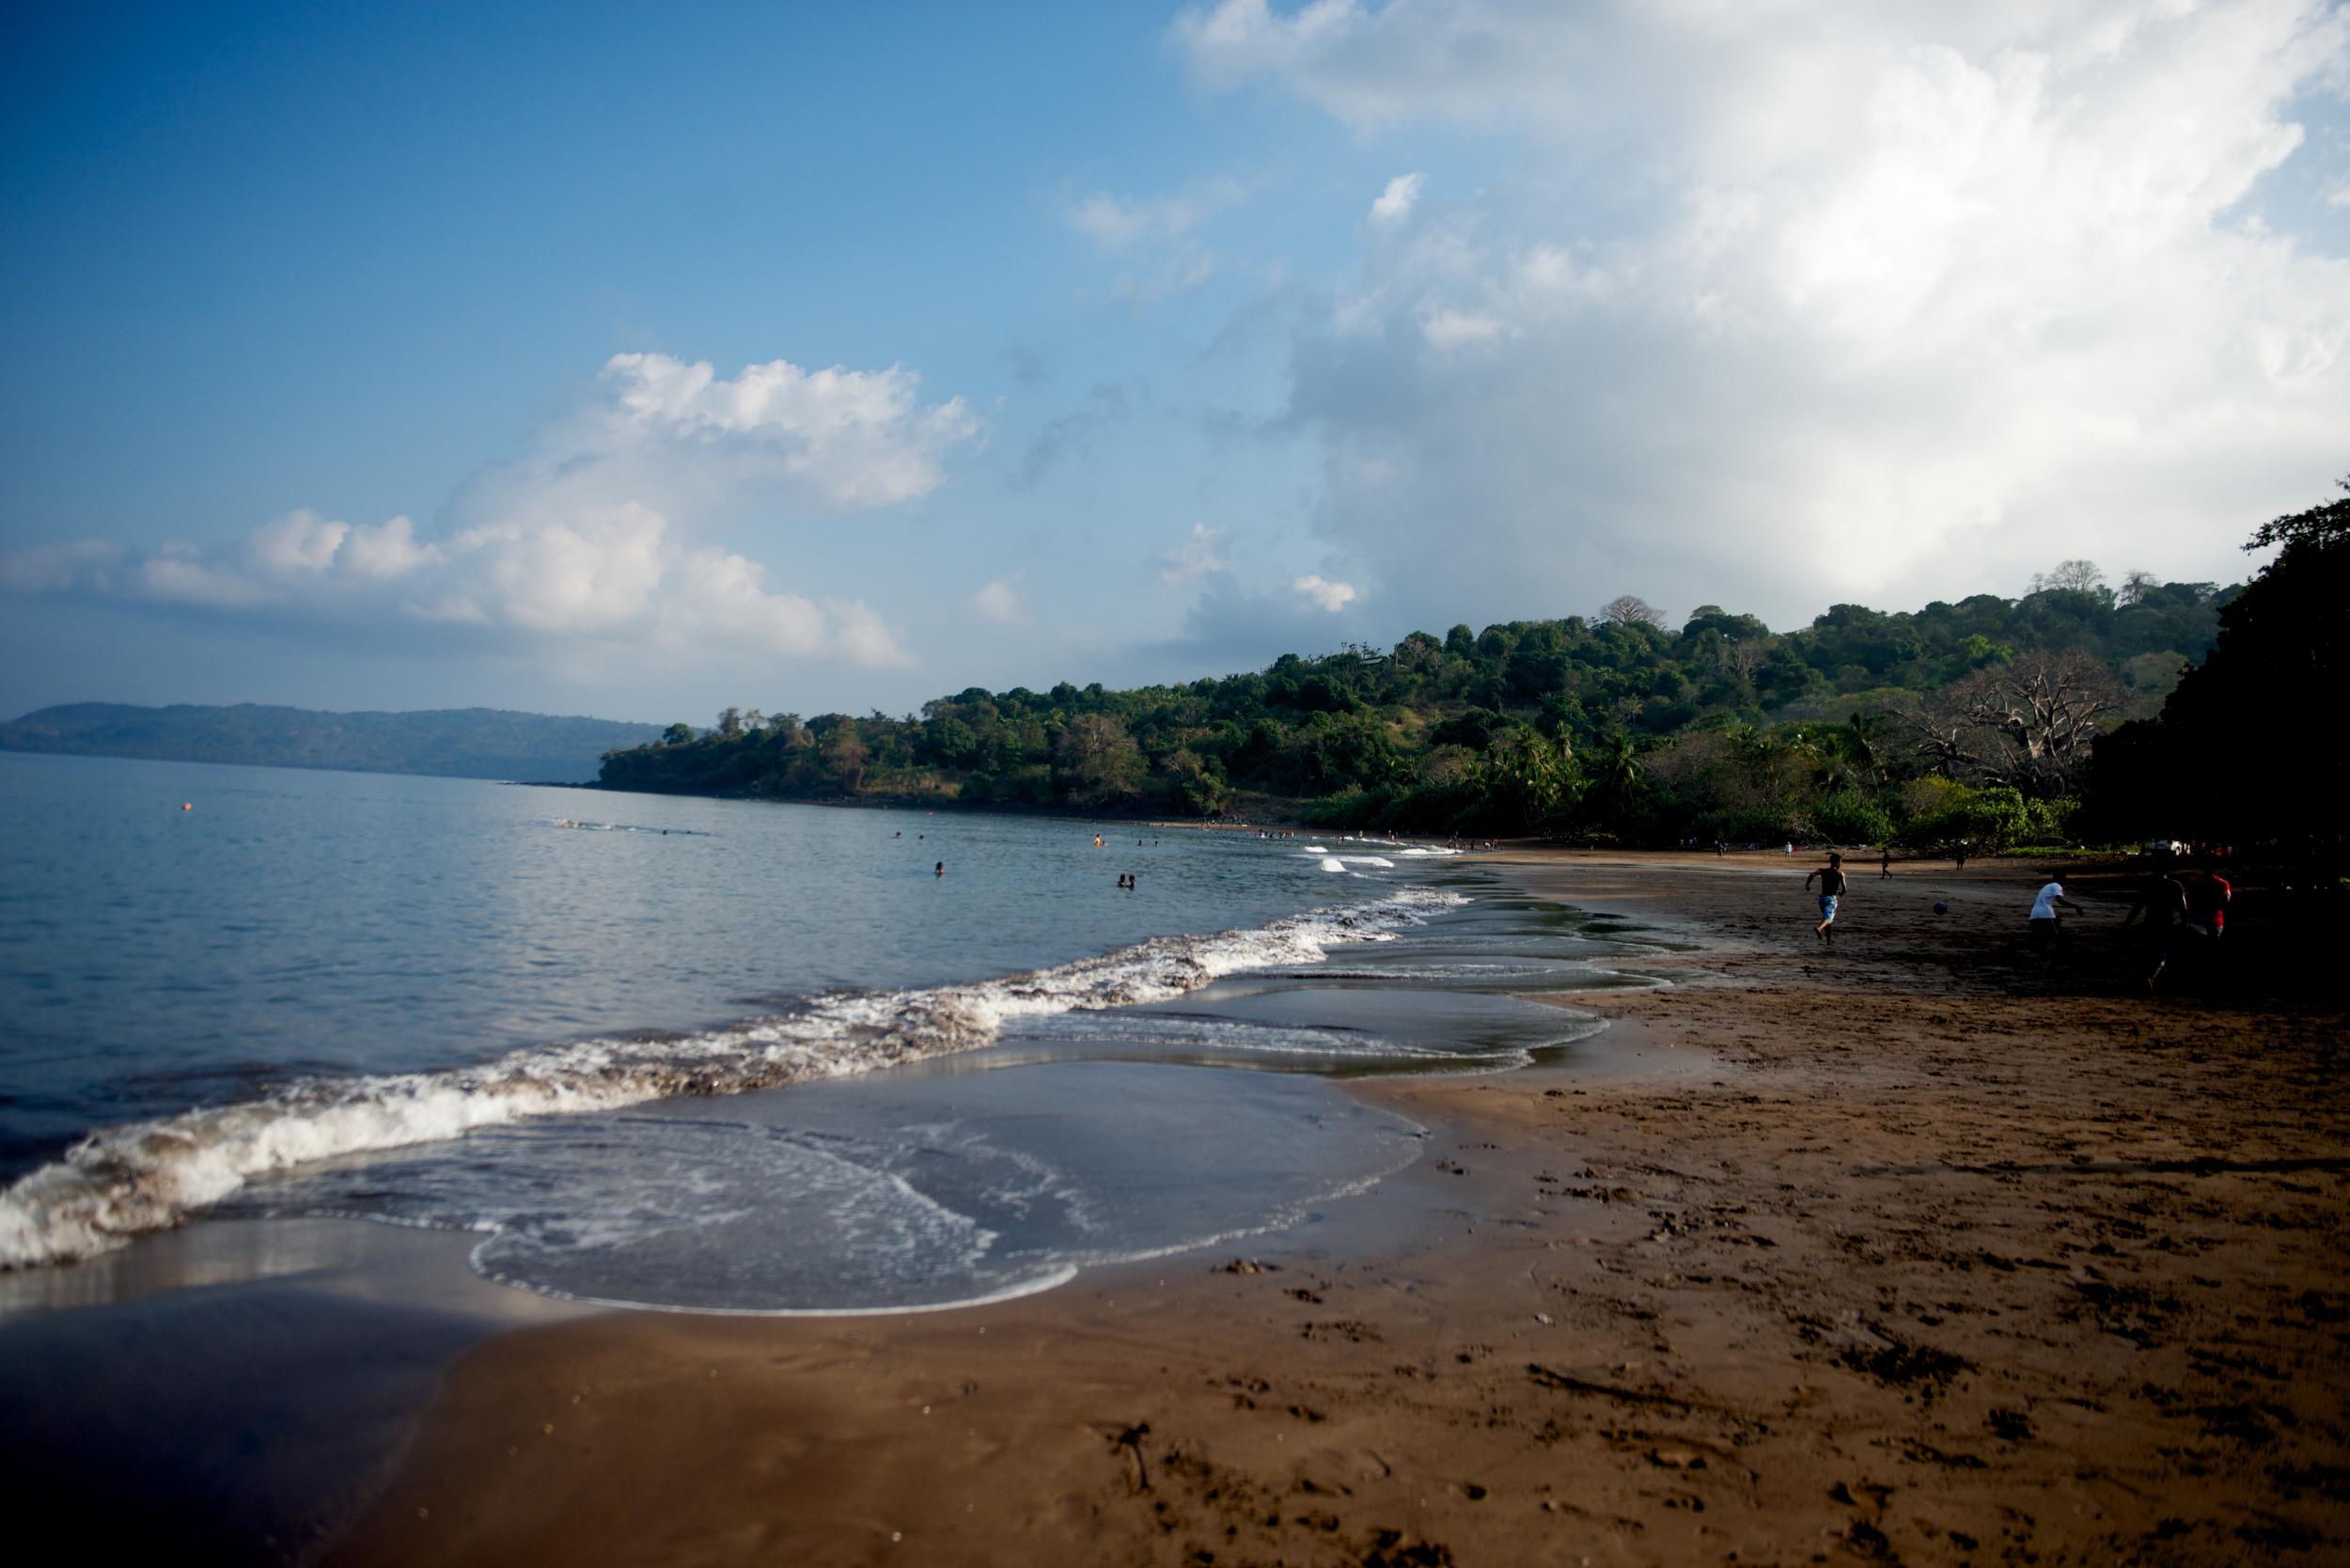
1394,204
1878,302
82,564
303,543
1156,238
1479,61
1000,600
1322,594
616,574
1199,556
579,539
176,574
1447,328
855,437
1117,223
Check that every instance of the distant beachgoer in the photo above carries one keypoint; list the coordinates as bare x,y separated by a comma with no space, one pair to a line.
2045,906
1720,849
1832,885
940,869
1790,846
1960,854
2163,901
1885,862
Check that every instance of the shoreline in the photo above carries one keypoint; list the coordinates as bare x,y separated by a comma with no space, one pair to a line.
1916,1254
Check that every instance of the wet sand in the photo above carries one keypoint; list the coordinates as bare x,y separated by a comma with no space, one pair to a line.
1909,1250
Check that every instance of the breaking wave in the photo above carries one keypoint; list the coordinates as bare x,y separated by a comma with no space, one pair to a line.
122,1182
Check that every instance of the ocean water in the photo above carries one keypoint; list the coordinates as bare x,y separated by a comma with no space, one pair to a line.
715,1055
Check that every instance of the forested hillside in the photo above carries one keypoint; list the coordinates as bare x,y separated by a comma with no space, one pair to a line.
1966,721
470,742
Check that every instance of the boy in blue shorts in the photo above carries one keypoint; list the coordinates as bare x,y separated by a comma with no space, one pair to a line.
1832,885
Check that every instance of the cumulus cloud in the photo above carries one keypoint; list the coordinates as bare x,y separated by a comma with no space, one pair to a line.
1200,554
1884,302
578,538
856,437
1000,600
1322,594
1394,204
617,574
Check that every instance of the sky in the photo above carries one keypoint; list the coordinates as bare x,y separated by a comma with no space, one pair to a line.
639,361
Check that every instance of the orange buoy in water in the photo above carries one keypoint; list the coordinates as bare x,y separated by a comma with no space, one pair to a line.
187,806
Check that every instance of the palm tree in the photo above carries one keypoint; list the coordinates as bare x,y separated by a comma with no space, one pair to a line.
1620,766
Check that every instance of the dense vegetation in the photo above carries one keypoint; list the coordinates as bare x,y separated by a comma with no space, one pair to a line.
472,742
2237,756
1967,722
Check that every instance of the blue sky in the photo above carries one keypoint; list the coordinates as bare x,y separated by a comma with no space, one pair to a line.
396,357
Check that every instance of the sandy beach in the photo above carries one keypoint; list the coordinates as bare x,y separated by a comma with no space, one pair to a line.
1905,1250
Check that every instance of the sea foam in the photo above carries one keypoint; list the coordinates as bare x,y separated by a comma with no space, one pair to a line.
121,1181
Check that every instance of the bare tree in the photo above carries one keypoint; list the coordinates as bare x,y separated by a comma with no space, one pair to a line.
1742,657
845,756
2136,585
1102,761
2080,576
1630,609
2027,724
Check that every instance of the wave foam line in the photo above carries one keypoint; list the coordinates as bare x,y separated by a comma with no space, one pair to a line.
122,1182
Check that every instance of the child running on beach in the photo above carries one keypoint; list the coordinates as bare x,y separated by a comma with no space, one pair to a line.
1832,885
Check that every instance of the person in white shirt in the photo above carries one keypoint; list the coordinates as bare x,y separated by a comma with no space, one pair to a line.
2044,907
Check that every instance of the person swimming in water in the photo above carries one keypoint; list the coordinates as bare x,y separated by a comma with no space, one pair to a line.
940,869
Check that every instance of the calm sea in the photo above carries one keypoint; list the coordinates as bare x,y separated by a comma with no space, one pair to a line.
716,1055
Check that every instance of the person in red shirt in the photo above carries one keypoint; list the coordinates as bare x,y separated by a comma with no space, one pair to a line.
2208,897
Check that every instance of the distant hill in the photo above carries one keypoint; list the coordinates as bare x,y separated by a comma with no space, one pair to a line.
465,742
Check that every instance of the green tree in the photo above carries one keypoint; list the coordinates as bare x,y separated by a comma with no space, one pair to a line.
2238,756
